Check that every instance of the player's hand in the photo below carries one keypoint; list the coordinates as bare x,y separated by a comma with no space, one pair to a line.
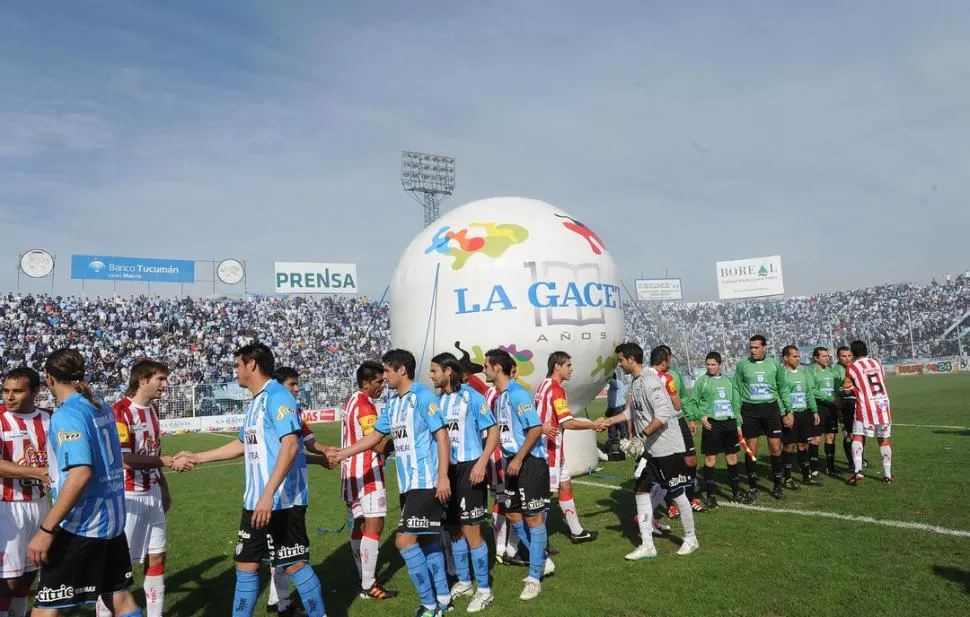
183,462
443,489
335,456
38,547
514,466
788,420
601,424
549,430
706,423
693,427
817,420
263,511
478,473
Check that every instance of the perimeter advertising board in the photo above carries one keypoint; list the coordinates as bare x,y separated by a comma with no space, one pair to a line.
749,278
133,269
300,277
650,290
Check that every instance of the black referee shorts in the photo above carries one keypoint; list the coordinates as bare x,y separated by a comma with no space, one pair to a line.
759,419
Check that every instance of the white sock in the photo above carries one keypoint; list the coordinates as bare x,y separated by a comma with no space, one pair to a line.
18,607
657,494
887,461
857,456
154,595
501,530
368,559
280,588
686,514
355,549
568,508
645,519
100,610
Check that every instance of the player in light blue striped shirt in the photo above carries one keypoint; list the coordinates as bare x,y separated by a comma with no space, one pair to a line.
81,542
275,498
467,415
413,419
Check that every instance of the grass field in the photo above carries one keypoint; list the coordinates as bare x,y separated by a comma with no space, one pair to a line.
793,562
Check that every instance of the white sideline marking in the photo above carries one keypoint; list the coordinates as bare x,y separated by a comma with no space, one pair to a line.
842,517
957,428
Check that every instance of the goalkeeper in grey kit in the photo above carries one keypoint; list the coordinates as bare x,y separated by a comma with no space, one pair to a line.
660,467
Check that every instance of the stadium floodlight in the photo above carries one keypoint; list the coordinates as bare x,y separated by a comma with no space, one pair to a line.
429,179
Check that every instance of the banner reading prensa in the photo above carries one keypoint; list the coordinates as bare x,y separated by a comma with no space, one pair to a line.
650,290
749,278
298,277
133,269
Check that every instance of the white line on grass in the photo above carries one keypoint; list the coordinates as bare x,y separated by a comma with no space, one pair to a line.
842,517
956,428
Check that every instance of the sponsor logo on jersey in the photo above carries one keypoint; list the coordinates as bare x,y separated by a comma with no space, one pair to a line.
33,457
65,436
421,522
524,407
283,411
297,550
432,409
54,594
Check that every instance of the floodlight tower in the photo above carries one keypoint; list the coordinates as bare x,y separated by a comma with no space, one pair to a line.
429,179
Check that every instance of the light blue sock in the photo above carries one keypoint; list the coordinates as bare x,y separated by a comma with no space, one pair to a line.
417,566
459,552
247,590
522,531
537,551
308,585
135,613
480,563
439,573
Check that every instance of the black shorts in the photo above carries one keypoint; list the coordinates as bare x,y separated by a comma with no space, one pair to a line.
421,512
723,438
759,419
80,569
803,428
848,414
670,472
283,541
528,492
467,505
829,414
688,438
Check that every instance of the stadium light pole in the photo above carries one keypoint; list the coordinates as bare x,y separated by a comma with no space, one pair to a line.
429,179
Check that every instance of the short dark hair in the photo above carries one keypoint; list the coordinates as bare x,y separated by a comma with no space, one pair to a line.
501,358
631,351
841,349
713,356
859,349
368,371
260,354
787,349
25,372
670,351
146,368
396,358
818,351
760,338
556,358
448,360
285,373
658,355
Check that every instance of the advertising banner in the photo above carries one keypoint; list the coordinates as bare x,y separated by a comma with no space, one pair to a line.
749,278
233,422
913,368
300,277
659,289
133,269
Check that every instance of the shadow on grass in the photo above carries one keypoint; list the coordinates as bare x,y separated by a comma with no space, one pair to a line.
963,432
954,574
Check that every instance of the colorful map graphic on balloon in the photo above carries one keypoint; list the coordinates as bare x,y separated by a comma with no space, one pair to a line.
523,360
462,244
588,234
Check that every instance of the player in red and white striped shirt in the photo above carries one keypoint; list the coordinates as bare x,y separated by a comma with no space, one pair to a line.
23,469
872,414
556,417
147,498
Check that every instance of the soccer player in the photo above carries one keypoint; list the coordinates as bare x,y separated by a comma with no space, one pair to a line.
147,497
554,412
23,469
662,460
760,382
799,400
872,414
717,403
467,415
847,402
825,378
526,468
273,522
413,419
81,545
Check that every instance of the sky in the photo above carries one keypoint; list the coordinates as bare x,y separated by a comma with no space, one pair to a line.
832,133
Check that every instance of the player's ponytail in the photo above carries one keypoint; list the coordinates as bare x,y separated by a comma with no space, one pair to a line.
67,366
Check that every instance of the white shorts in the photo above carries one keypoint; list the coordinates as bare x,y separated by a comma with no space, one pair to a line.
881,431
145,524
19,521
558,475
370,505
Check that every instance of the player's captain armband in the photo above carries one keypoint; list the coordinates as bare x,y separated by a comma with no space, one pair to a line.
561,406
367,423
123,435
672,387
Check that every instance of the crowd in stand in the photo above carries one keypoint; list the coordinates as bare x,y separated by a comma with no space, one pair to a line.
330,335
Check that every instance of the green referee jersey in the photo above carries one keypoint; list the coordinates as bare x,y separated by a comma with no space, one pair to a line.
715,398
760,381
843,383
799,390
825,382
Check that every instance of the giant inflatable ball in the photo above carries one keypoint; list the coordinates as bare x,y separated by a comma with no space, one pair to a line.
517,274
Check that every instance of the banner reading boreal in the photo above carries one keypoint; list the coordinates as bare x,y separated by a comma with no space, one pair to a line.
299,277
650,290
749,278
134,269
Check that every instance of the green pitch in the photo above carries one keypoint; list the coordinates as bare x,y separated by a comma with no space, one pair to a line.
751,563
